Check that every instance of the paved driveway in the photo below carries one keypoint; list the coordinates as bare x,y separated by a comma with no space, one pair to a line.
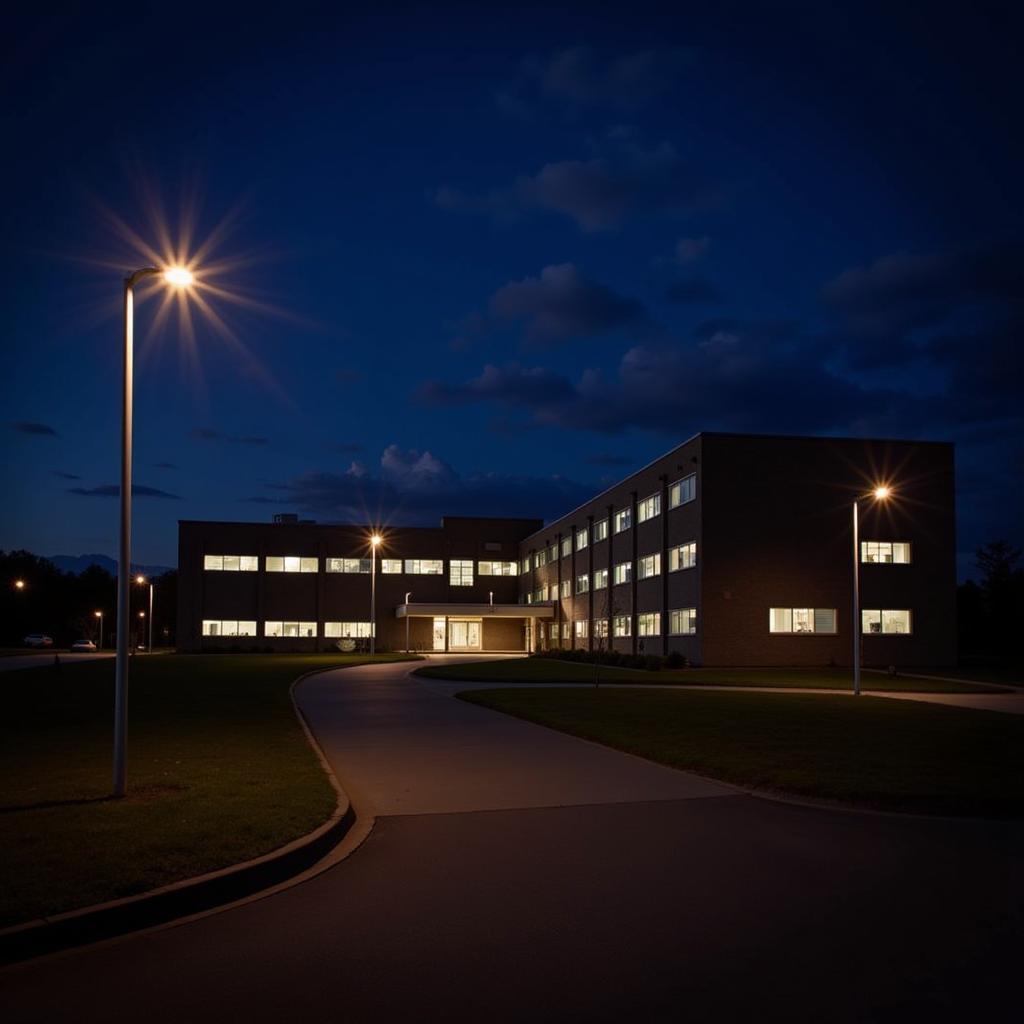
598,889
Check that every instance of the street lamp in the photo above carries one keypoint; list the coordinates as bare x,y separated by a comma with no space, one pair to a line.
141,580
19,584
407,596
99,615
880,493
374,544
176,277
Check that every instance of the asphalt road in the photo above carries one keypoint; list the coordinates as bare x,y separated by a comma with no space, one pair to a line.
607,889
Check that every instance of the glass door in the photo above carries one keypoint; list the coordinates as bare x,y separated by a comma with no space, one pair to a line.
439,633
464,635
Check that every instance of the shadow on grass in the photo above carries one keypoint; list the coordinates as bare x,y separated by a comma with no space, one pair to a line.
139,794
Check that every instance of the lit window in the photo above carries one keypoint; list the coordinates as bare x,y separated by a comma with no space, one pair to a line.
682,557
291,563
228,627
289,629
582,539
648,508
885,621
649,565
353,630
540,558
622,625
582,583
623,519
496,568
580,627
424,566
682,621
600,628
682,491
553,631
600,530
391,566
623,572
600,579
526,565
566,547
566,630
648,624
348,565
802,620
553,553
565,588
460,573
231,563
885,551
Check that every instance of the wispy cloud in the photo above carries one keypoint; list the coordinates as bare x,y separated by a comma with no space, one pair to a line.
34,429
114,491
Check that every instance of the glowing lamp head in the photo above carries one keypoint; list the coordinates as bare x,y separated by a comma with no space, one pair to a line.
882,492
142,615
140,579
179,277
376,539
19,584
99,615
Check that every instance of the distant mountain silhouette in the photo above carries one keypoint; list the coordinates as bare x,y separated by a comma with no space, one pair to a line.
79,563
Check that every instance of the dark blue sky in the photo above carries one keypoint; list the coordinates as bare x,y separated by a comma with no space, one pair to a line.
521,251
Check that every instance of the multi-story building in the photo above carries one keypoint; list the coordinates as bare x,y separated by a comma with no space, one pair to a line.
730,549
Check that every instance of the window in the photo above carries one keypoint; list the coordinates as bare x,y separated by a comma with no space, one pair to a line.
600,530
623,519
648,508
582,539
802,620
887,551
566,630
291,563
540,558
600,628
565,588
566,546
600,579
289,629
885,621
348,565
649,565
228,627
391,566
582,583
682,621
623,572
460,573
337,630
580,627
622,626
424,566
231,563
553,631
682,491
648,624
496,568
553,553
682,557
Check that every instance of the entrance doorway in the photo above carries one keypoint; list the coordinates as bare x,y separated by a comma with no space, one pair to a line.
464,634
439,623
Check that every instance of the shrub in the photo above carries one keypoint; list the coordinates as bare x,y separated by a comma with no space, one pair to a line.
675,659
653,662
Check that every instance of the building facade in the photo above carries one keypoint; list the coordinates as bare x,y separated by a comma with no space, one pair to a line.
732,550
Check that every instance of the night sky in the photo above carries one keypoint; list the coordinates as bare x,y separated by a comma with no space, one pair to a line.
494,258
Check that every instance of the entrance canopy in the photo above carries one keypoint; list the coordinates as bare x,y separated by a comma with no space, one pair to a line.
483,610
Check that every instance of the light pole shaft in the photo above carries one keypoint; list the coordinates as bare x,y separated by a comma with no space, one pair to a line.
150,647
373,601
856,603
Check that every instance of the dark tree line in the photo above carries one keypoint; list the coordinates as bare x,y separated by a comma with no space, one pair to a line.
64,605
990,611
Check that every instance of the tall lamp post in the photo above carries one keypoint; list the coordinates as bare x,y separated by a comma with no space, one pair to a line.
177,277
880,493
142,580
374,544
99,615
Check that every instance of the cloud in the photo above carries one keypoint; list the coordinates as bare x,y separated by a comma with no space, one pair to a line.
609,459
165,465
691,250
65,476
599,194
413,487
206,434
693,290
34,429
114,491
512,384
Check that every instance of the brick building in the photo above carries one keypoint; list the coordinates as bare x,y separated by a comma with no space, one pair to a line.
731,549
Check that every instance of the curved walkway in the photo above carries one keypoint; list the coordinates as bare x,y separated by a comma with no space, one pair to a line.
517,874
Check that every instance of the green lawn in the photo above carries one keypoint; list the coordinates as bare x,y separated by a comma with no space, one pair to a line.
870,752
219,771
550,670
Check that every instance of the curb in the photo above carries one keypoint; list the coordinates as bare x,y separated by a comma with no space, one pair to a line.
190,896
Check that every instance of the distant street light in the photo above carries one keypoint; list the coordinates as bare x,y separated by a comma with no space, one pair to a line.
176,277
374,544
141,580
881,493
19,584
99,615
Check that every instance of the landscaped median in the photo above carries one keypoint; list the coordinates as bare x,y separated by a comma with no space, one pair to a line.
892,755
220,771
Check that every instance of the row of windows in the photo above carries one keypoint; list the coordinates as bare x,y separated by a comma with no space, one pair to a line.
462,569
886,551
242,627
823,620
681,622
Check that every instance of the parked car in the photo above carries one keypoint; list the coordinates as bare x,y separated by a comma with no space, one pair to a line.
38,640
83,645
